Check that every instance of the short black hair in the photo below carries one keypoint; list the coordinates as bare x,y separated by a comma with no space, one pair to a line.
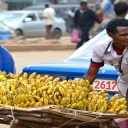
114,23
120,8
46,5
83,3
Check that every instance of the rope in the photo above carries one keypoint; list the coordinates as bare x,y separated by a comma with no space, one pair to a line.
68,121
12,123
12,114
82,122
91,120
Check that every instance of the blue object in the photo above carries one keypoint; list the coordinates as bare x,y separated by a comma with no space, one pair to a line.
5,34
6,61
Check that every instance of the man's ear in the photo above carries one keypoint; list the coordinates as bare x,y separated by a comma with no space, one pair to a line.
111,35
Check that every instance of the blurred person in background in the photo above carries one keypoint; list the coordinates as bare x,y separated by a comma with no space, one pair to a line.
120,9
84,20
71,14
98,9
109,9
48,18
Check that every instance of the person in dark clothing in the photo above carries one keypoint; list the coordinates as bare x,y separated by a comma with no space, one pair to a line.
84,20
120,9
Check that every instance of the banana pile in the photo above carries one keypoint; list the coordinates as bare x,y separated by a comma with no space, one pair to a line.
98,102
116,105
34,90
23,90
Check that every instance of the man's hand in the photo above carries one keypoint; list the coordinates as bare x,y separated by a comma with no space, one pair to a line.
91,74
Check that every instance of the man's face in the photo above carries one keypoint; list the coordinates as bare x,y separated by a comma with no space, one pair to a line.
120,38
83,6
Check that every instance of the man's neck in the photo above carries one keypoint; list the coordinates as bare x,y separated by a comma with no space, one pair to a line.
118,47
120,16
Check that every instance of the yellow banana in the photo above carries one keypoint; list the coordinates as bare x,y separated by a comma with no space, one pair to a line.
87,83
45,101
56,80
86,89
25,75
117,109
38,77
80,97
122,106
110,111
90,88
49,91
81,82
116,104
64,82
33,75
38,104
68,100
37,98
95,108
32,104
80,88
44,88
17,76
44,78
74,105
122,100
50,101
63,101
4,99
123,112
49,79
64,86
56,102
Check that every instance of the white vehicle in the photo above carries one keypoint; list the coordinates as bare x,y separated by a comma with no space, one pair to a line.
30,23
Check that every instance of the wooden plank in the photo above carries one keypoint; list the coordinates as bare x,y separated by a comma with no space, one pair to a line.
102,125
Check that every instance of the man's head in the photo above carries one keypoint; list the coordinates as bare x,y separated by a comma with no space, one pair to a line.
121,9
72,9
117,29
46,5
83,4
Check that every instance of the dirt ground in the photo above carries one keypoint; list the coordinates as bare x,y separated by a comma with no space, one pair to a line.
65,39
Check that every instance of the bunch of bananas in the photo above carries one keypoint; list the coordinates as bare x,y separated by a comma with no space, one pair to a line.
116,105
30,91
98,101
23,90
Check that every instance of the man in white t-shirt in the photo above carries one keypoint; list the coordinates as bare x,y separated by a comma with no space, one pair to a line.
113,51
48,18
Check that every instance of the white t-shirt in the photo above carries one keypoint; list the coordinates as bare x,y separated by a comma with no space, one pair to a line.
48,16
111,58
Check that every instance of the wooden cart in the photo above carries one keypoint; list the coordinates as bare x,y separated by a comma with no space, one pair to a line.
54,117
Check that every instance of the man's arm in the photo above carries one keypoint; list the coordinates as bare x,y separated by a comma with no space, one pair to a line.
95,17
91,74
95,64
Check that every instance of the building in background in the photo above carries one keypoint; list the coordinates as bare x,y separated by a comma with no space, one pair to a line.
20,4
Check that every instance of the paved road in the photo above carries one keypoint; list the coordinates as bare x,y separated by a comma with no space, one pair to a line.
27,58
